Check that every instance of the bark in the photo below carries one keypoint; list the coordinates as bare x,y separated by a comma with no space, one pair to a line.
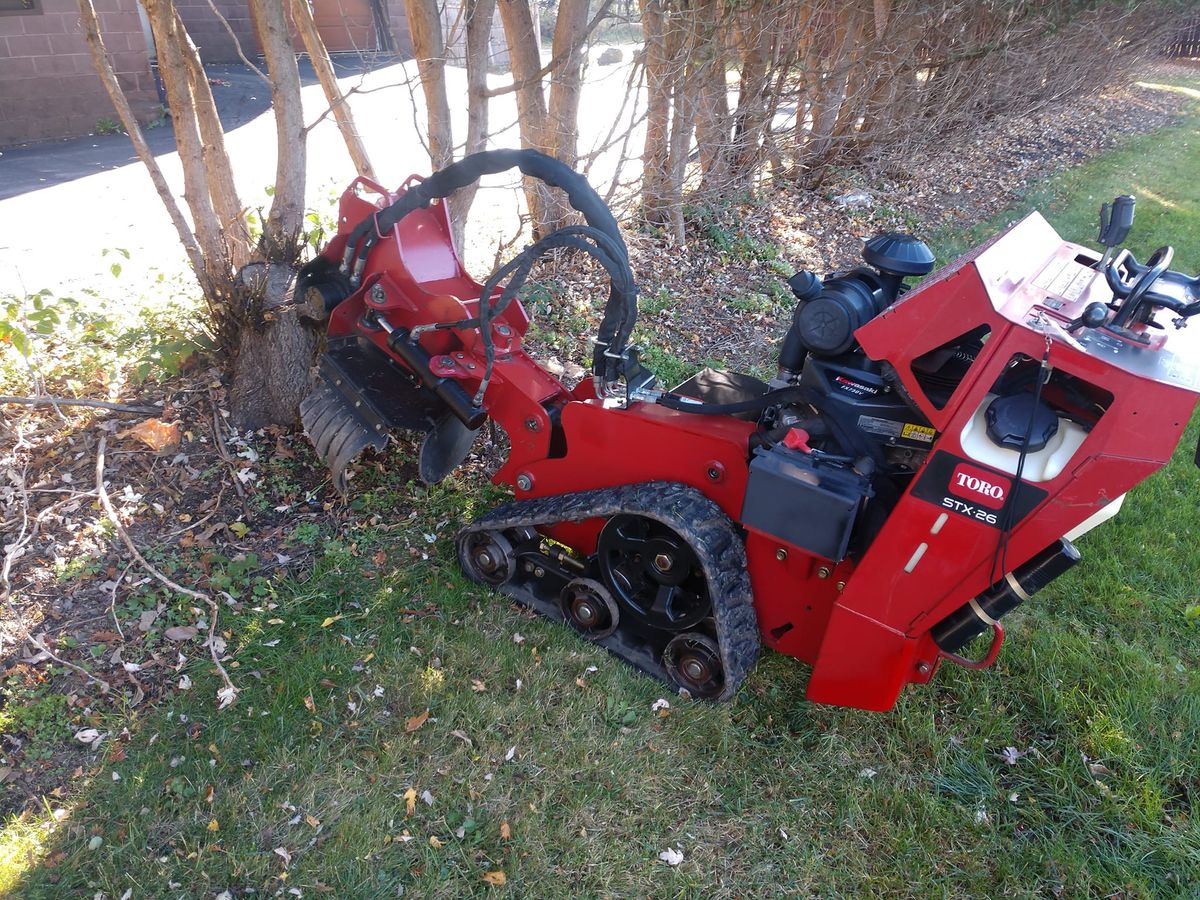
479,15
272,365
425,31
753,111
219,169
286,216
173,69
657,153
302,16
713,129
95,42
566,81
520,33
274,351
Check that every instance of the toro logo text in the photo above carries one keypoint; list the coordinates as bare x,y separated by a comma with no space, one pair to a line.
979,485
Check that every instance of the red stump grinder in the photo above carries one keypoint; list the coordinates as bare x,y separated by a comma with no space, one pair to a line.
919,466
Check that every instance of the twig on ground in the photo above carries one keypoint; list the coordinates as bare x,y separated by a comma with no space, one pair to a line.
228,694
13,549
112,605
37,642
221,448
47,400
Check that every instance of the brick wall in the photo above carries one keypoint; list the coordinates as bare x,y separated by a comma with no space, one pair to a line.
48,87
215,44
210,36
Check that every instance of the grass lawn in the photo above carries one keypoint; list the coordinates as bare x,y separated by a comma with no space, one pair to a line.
541,769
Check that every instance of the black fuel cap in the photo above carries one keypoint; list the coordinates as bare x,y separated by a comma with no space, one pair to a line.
1008,419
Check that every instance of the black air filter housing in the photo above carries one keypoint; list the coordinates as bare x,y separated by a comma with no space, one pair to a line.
898,254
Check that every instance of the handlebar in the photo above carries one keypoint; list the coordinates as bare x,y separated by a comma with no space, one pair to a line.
1135,291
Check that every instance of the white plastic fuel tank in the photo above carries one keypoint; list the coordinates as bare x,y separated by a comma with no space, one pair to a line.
1041,465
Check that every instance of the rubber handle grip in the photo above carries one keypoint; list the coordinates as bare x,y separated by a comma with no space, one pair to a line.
1116,219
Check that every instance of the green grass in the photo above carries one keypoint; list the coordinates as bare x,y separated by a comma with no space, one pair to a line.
1159,169
768,795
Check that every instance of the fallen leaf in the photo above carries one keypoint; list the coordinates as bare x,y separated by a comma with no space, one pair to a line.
505,831
329,620
181,633
311,820
671,856
427,798
462,736
435,843
512,751
495,879
105,637
146,620
154,433
213,826
87,736
283,853
410,801
416,721
309,705
478,686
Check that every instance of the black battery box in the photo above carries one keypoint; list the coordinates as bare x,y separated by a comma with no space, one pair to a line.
802,501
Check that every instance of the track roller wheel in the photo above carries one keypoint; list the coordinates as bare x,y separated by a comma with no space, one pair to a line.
487,557
589,608
694,663
653,572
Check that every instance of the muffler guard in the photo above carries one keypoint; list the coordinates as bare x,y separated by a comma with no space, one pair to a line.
361,394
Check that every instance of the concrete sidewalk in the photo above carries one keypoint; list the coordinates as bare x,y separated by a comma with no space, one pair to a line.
63,203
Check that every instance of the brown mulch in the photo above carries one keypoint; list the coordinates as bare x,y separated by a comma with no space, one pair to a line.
951,187
212,507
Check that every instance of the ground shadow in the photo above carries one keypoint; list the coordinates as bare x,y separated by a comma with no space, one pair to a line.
241,97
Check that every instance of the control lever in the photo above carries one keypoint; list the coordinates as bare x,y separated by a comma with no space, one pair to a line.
1093,316
1116,219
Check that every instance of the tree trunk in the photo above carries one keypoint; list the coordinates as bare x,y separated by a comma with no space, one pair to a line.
521,36
425,31
302,16
753,111
566,81
286,216
173,69
713,129
479,15
221,188
272,361
272,367
566,87
656,155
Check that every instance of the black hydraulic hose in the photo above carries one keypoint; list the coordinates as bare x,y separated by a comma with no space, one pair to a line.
772,398
849,438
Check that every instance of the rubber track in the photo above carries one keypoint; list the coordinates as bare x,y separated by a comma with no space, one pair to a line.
688,512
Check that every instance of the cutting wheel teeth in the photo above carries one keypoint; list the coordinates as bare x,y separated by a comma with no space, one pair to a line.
337,431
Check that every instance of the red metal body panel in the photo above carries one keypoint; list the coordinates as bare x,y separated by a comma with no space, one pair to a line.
864,623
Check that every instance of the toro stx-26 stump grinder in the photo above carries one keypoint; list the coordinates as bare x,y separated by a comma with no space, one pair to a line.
919,466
